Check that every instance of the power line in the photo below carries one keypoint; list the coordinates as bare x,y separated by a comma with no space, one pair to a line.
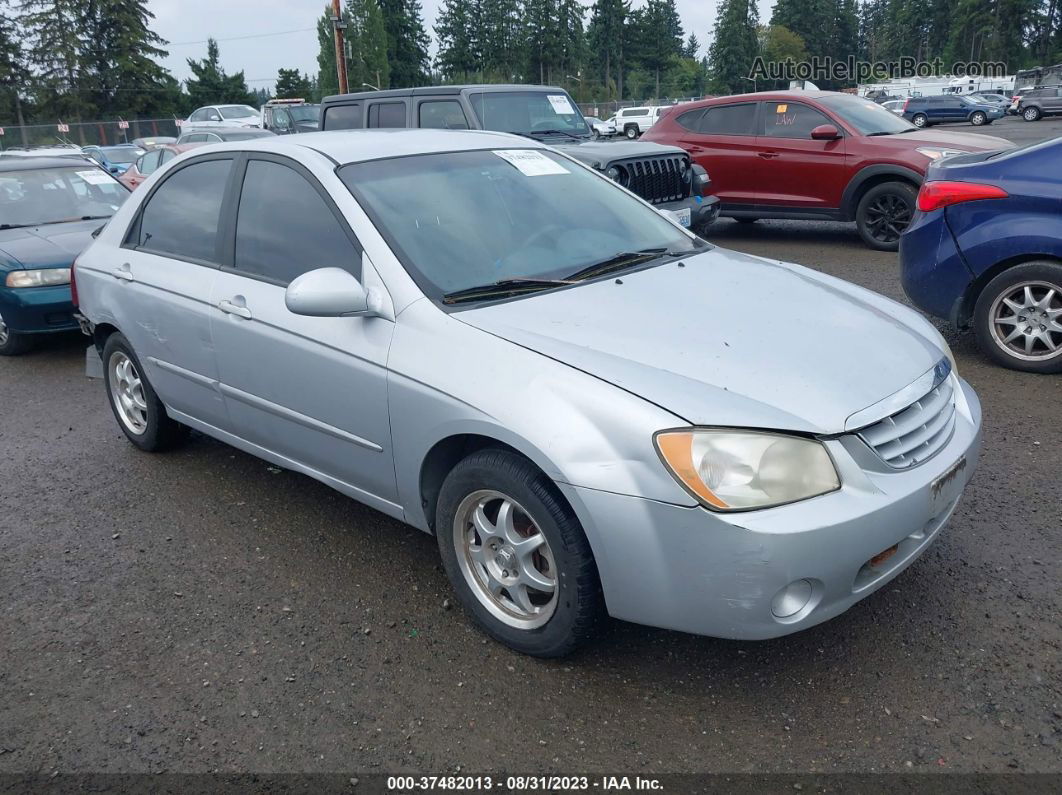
240,38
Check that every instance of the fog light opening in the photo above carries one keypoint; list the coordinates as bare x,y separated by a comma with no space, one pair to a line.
792,599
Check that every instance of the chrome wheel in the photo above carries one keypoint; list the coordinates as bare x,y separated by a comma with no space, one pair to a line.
887,216
505,559
127,393
1026,321
919,120
4,334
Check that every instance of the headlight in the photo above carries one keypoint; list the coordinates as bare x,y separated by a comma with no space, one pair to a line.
933,152
617,174
734,470
45,277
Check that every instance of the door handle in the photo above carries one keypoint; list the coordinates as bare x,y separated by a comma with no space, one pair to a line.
767,155
230,308
123,273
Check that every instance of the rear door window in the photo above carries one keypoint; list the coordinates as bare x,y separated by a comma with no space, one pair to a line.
729,120
181,217
387,114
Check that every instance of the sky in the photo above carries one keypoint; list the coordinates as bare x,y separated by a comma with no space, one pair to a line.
186,24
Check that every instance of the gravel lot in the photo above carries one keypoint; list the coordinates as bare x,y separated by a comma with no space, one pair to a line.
201,611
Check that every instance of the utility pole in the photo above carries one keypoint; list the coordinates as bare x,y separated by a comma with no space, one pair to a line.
341,61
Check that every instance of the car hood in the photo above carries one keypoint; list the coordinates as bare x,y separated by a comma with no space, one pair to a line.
729,339
48,246
969,142
591,152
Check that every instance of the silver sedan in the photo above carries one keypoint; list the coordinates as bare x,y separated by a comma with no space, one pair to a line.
594,411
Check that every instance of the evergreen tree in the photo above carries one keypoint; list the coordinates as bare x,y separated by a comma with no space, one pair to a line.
500,38
459,54
12,72
692,47
327,75
606,36
292,85
366,40
53,30
212,86
778,44
407,43
734,47
544,48
571,37
661,38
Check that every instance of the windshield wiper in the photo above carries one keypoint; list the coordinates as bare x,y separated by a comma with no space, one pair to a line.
503,287
15,226
624,259
536,133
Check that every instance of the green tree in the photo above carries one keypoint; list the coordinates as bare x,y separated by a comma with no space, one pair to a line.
734,47
366,39
12,72
407,43
661,38
327,75
544,48
692,47
499,30
210,85
458,57
292,85
779,44
53,29
608,18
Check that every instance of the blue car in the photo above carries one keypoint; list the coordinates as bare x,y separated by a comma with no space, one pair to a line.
49,207
115,159
950,109
985,250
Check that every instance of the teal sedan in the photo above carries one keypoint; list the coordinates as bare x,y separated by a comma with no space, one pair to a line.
49,208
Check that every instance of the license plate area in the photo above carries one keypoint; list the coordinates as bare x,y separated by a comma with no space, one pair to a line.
682,216
947,487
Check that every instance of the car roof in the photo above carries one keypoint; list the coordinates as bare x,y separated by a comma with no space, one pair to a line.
355,146
23,163
440,91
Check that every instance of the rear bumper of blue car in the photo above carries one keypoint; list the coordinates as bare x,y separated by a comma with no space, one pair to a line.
932,271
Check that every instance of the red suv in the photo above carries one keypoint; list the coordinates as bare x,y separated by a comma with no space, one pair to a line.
817,155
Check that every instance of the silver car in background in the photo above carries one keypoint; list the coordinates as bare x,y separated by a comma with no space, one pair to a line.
593,410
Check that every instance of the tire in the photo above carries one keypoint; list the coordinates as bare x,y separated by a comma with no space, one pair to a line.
11,342
895,201
992,314
560,619
920,120
137,409
979,118
631,131
1031,114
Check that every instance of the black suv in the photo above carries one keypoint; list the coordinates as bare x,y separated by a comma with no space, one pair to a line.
662,175
1040,102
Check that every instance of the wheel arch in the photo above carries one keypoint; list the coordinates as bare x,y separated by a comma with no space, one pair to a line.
872,176
100,333
963,313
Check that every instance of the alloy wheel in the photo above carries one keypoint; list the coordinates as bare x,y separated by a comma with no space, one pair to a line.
505,559
887,217
4,333
127,393
1027,321
919,120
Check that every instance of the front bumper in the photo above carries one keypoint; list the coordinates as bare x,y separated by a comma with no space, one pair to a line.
703,209
37,310
688,569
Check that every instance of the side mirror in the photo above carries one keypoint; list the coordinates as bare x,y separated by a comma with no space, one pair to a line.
329,292
825,132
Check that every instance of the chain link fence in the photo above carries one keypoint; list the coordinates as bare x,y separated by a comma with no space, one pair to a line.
86,133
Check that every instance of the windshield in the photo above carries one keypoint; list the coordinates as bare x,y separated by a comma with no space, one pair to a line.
237,111
463,219
529,112
54,195
122,154
305,112
867,117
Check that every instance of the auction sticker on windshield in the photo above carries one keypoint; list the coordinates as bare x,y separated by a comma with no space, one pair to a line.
530,162
561,104
95,177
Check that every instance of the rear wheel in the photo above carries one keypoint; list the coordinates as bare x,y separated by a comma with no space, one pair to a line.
884,212
11,342
920,120
979,118
1018,317
631,131
1031,114
139,412
516,555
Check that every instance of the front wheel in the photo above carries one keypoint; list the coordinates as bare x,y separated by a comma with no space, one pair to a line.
1031,114
516,555
1018,317
11,342
883,214
139,412
978,118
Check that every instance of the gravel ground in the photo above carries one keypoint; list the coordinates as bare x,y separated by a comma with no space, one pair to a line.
201,611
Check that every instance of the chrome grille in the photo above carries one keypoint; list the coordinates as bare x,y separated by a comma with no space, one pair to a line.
916,433
657,179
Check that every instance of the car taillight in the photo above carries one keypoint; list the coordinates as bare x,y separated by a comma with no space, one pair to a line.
939,193
73,282
906,102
